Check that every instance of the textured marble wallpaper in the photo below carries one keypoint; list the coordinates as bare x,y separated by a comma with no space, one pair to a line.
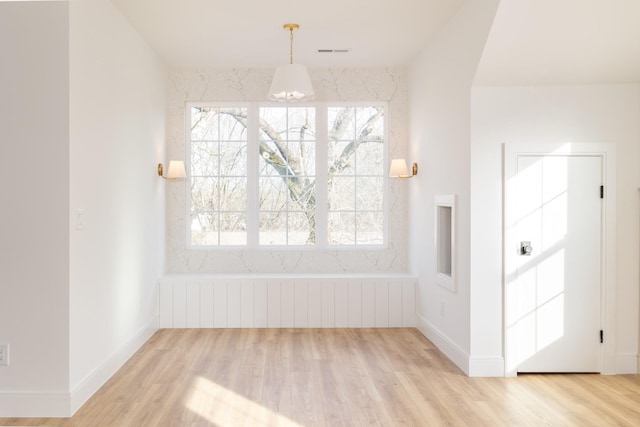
250,85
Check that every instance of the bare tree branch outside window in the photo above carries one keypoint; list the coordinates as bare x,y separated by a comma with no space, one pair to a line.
287,175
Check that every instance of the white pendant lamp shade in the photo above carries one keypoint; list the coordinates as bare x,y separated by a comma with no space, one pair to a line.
291,82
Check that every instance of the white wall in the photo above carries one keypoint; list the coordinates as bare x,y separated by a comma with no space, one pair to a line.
597,113
440,103
252,85
117,139
34,201
82,126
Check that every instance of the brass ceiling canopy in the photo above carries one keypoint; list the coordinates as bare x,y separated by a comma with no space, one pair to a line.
291,27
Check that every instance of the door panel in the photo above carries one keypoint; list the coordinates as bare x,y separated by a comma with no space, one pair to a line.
558,285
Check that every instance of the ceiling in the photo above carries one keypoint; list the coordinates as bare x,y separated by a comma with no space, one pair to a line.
562,42
249,33
530,41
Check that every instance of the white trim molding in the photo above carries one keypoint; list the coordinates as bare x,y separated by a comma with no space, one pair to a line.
445,240
486,367
471,366
450,349
32,404
63,404
287,301
626,364
99,376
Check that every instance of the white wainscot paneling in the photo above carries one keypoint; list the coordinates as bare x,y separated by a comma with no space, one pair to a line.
300,301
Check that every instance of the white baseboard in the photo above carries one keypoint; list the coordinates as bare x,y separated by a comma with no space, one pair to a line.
96,379
34,405
626,364
486,367
28,404
444,344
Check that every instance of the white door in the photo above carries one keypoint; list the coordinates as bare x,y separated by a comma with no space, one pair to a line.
558,284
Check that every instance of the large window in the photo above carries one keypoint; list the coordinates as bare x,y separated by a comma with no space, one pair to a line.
272,175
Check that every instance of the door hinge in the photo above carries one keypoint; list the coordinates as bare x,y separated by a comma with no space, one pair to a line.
602,191
601,336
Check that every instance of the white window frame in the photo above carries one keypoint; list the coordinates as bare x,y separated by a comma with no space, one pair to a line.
321,142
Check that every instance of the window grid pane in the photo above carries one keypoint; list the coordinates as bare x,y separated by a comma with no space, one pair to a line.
218,176
286,183
356,175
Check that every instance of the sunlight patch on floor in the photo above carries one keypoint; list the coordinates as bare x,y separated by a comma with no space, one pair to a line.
221,406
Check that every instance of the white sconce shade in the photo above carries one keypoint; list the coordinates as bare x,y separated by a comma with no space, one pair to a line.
399,169
176,170
291,82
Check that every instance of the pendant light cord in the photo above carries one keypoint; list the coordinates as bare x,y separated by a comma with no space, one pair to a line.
290,45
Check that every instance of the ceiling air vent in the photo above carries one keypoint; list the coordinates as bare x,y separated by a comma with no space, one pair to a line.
334,50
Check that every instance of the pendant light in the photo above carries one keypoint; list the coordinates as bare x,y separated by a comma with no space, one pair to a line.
291,82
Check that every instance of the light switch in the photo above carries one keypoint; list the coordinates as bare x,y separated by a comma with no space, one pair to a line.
4,354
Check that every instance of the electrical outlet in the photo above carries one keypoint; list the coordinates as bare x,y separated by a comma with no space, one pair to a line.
4,354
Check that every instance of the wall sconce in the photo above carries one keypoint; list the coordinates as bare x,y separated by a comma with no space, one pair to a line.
399,169
175,170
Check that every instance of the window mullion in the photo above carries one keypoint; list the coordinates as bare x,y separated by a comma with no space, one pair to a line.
253,148
187,183
287,211
322,169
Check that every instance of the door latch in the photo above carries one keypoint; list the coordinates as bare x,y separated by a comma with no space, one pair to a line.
525,248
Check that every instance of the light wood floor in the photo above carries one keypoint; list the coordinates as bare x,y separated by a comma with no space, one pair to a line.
335,377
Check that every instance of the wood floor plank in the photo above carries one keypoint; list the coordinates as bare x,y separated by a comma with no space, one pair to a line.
334,377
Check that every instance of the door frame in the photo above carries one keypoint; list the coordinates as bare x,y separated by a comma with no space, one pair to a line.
606,151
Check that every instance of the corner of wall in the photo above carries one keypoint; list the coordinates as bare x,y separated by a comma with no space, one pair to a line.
450,349
441,78
99,376
117,119
34,132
